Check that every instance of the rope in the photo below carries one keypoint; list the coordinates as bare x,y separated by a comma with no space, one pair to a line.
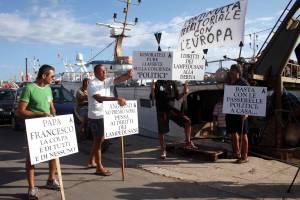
100,51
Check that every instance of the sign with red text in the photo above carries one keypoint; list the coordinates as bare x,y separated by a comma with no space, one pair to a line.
51,137
120,120
245,100
215,28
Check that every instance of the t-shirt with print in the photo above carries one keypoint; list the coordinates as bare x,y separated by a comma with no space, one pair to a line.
38,98
98,87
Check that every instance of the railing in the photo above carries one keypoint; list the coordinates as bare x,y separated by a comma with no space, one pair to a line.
76,76
291,70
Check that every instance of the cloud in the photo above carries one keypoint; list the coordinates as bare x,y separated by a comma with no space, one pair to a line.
260,21
48,26
60,27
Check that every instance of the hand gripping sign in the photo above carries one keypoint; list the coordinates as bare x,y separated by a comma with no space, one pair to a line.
51,138
120,120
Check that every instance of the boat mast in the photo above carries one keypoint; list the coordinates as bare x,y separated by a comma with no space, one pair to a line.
119,37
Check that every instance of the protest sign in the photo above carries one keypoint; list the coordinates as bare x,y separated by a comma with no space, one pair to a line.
120,120
152,65
245,100
51,137
176,65
188,66
219,27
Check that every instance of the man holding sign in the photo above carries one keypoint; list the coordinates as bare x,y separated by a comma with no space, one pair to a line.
165,93
36,101
237,125
99,91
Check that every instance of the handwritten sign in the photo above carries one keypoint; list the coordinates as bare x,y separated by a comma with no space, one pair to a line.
120,120
245,100
188,66
152,65
219,27
171,66
51,137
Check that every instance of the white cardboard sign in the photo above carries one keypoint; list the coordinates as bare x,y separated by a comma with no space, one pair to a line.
245,100
165,65
120,120
51,137
152,65
219,27
188,66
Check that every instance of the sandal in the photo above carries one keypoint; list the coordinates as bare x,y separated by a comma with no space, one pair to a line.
242,160
103,172
190,146
237,156
163,155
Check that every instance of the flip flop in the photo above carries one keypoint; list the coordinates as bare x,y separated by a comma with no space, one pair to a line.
241,161
191,146
103,173
237,156
163,155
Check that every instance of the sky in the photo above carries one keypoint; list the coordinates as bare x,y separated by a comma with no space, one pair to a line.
54,31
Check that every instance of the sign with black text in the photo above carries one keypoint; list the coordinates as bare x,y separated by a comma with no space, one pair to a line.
152,65
245,100
162,65
219,27
51,137
120,120
188,66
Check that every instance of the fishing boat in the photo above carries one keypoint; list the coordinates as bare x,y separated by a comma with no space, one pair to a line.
271,67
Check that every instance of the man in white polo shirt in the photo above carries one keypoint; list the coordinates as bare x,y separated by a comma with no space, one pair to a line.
99,91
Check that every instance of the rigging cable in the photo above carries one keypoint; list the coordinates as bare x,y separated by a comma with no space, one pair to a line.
101,51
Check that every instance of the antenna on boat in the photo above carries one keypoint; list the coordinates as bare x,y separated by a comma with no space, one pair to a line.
114,29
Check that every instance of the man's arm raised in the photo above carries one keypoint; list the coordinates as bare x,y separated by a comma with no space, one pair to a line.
123,77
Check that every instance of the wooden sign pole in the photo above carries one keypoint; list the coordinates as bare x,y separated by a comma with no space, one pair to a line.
122,158
62,192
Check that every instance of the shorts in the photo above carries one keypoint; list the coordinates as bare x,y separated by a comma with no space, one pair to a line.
221,131
175,115
234,124
83,112
97,127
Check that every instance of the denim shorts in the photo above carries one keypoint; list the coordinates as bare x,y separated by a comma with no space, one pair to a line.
83,111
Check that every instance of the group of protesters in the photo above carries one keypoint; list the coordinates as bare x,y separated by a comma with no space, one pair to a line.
36,101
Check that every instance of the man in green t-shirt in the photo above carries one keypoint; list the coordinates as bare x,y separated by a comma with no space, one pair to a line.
36,101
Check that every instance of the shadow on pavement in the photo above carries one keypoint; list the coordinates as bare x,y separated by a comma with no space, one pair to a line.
211,190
